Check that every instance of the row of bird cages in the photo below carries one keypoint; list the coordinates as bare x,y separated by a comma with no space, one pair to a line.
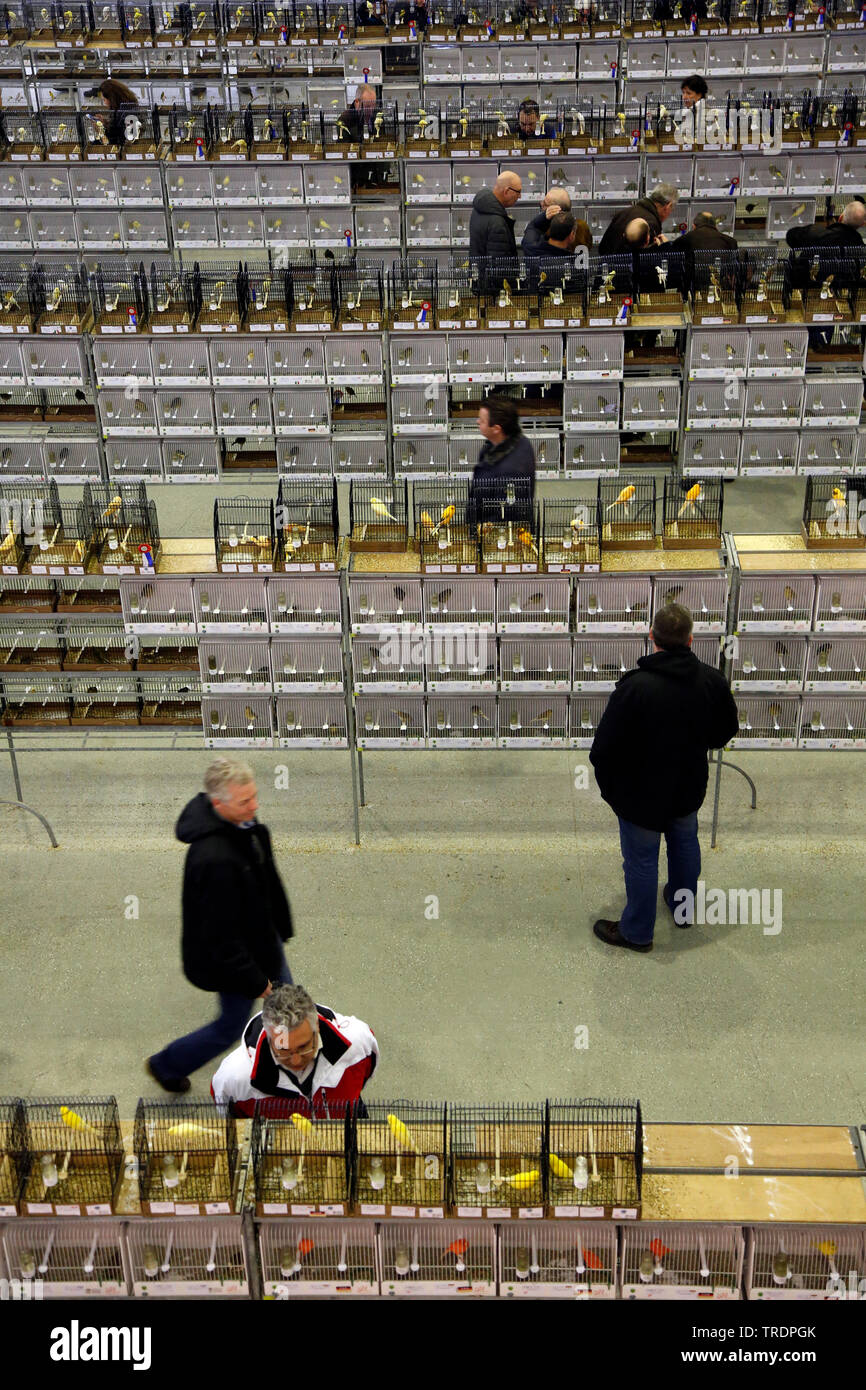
53,405
324,411
284,226
294,604
29,594
261,664
779,452
814,721
514,357
97,701
336,361
97,644
636,405
82,186
828,401
831,603
798,663
84,230
71,460
302,532
746,352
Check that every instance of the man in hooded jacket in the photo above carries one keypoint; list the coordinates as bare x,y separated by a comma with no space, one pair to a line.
650,760
236,916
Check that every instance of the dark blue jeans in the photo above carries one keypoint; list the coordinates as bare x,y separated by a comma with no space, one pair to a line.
187,1054
640,863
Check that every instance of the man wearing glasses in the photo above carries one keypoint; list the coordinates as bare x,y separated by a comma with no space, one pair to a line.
297,1050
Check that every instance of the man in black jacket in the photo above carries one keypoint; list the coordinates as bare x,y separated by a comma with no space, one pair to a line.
491,230
555,201
235,916
704,236
650,760
842,231
504,476
655,209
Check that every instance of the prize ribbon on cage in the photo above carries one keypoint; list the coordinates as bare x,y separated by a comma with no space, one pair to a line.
422,317
341,34
846,134
613,69
635,139
133,318
284,34
489,28
735,183
366,74
821,15
693,23
146,554
789,22
622,313
348,235
413,32
863,13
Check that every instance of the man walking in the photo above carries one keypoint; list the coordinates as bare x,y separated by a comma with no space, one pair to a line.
235,916
650,760
503,480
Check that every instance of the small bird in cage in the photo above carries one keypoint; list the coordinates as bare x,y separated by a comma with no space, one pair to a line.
624,499
690,505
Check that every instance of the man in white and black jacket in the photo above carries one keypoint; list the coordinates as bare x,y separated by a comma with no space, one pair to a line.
296,1050
650,760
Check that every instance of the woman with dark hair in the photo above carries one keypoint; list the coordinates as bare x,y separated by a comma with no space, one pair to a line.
116,96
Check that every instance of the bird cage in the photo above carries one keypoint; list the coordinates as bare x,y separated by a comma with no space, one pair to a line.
705,596
614,603
361,457
711,453
838,665
119,297
438,1259
296,361
693,514
35,702
361,298
778,352
461,721
326,184
240,227
804,1262
313,664
234,604
595,357
766,721
184,412
66,404
67,549
90,593
299,410
457,302
616,180
476,358
331,229
833,721
125,362
191,460
187,1258
189,186
303,458
163,647
350,362
375,227
537,604
135,187
59,294
831,514
63,135
239,410
376,603
189,130
533,357
143,231
840,605
12,370
244,535
308,605
497,1159
425,456
627,513
237,721
169,701
234,665
124,530
447,543
378,516
63,1259
509,524
812,173
775,403
771,603
546,1260
96,646
651,405
19,307
103,701
177,361
15,236
174,300
98,231
591,455
785,213
768,663
221,289
429,183
400,1159
13,1156
804,53
763,177
311,299
429,226
717,175
307,525
23,136
74,1155
187,1154
507,295
194,227
534,664
833,400
48,187
468,602
279,186
599,662
533,721
22,459
24,594
593,1154
22,405
588,406
822,451
12,184
718,355
299,1159
570,536
394,720
53,231
415,409
413,363
455,660
681,1260
318,1258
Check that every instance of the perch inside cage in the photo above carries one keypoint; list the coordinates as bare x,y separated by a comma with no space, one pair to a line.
378,516
570,532
187,1152
401,1154
75,1151
496,1158
594,1156
627,514
299,1159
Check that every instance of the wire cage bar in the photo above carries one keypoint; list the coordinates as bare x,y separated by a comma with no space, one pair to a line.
801,1263
74,1155
187,1258
549,1259
692,513
832,519
300,1158
571,538
400,1158
187,1153
244,535
315,1259
497,1158
13,1153
59,1258
681,1260
378,516
594,1157
430,1259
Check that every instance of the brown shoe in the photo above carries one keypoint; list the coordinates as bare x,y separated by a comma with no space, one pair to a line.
610,934
178,1086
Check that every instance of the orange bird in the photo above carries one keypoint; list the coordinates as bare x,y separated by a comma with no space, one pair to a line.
591,1260
658,1248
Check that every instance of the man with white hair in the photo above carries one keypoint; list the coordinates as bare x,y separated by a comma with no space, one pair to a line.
555,201
297,1051
841,231
236,916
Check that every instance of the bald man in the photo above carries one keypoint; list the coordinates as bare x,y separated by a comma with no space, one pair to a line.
636,235
491,230
842,231
554,202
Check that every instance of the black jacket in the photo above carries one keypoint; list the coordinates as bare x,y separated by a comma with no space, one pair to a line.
535,234
491,230
235,910
650,749
826,238
497,465
613,243
704,239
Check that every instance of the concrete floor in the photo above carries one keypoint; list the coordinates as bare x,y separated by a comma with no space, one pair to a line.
718,1023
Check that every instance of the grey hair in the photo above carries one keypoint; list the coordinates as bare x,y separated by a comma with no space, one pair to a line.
664,193
854,214
704,219
224,773
287,1007
561,197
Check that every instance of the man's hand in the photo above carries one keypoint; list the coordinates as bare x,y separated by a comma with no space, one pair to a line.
269,990
552,209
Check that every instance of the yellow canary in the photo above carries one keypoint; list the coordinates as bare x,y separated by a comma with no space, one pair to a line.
377,506
561,1169
401,1133
525,538
302,1123
624,498
447,514
827,1248
75,1121
186,1129
114,505
522,1180
427,520
838,495
691,498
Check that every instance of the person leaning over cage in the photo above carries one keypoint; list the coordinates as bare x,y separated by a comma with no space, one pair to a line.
650,759
121,102
236,916
296,1049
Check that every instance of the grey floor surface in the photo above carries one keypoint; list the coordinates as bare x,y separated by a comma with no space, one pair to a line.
725,1023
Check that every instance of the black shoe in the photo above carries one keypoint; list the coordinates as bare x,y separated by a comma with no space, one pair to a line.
666,894
178,1086
610,934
